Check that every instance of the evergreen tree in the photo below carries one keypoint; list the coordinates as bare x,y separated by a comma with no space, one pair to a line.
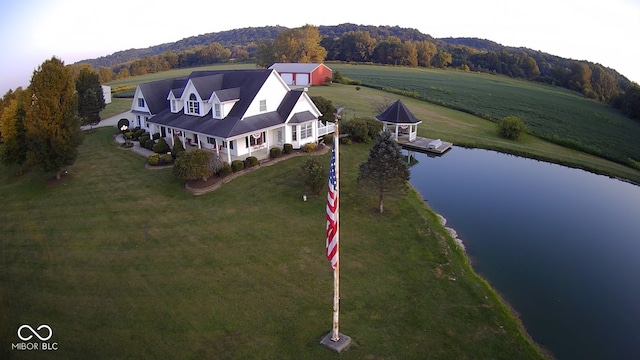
385,172
52,124
90,96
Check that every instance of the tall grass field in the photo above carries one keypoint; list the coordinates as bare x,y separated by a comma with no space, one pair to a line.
122,263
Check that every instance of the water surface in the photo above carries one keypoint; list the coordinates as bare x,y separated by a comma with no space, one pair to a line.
561,245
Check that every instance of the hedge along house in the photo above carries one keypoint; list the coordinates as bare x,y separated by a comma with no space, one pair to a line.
303,74
400,122
233,113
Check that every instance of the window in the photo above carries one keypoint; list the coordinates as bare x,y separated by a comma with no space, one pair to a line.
193,106
146,122
216,109
173,106
138,120
211,141
294,133
256,139
227,144
140,102
306,131
263,105
279,136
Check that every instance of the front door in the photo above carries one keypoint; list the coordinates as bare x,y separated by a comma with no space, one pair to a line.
195,139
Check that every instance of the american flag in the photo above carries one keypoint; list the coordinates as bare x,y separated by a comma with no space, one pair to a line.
332,212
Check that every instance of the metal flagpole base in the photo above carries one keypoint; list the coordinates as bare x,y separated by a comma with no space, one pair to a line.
337,346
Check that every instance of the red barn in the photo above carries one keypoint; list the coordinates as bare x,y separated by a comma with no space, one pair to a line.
303,74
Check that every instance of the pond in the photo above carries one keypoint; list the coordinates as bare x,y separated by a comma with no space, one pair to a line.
561,245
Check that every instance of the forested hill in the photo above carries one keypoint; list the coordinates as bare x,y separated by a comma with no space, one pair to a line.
391,45
248,38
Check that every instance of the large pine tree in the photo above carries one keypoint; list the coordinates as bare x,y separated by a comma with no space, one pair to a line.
52,123
385,171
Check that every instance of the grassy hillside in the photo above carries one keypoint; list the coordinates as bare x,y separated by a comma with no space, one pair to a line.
551,112
122,263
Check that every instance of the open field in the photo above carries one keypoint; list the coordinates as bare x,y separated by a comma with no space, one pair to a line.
549,111
464,129
122,263
460,127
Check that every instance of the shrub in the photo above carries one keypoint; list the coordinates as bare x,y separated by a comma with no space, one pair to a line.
137,133
328,139
161,147
143,140
237,165
287,149
149,144
156,136
309,148
251,161
123,122
225,169
193,165
345,141
361,129
313,175
154,159
166,158
275,152
128,135
511,127
177,147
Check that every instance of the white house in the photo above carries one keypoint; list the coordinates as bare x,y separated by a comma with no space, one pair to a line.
233,113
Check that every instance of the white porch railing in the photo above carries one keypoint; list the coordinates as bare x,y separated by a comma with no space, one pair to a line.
323,129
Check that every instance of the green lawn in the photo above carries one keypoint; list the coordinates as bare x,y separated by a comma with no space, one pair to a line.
122,263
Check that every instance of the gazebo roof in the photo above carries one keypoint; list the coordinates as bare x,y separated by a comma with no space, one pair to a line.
398,113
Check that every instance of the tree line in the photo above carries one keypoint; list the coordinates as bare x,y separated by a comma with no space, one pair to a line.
40,126
384,45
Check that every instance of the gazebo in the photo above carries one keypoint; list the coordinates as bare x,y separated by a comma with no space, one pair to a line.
400,121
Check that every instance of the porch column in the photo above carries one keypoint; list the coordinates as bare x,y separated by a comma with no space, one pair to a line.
396,132
248,141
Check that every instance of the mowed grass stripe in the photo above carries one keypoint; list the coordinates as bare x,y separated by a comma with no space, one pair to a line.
122,263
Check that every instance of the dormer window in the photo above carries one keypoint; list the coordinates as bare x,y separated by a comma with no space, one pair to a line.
140,102
193,106
216,111
263,105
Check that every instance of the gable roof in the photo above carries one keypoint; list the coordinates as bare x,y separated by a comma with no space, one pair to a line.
398,113
240,85
295,67
155,93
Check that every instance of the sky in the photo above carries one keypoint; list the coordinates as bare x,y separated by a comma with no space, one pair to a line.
32,31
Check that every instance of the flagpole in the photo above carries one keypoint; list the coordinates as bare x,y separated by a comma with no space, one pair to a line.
336,271
334,340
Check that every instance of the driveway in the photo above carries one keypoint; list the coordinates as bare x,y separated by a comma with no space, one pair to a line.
111,121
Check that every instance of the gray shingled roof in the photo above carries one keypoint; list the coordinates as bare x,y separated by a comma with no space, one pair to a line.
242,85
155,93
398,113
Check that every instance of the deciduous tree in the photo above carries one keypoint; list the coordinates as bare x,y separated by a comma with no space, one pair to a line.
13,147
90,96
385,172
52,124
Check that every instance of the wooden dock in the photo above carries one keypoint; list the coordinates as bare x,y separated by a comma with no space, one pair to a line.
422,144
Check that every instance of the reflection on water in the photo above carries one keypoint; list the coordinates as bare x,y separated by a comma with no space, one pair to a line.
561,245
